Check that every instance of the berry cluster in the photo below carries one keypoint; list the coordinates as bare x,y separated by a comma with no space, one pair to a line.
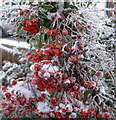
46,53
65,81
52,92
31,25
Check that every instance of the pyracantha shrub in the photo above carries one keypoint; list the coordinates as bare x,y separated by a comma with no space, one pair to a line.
69,74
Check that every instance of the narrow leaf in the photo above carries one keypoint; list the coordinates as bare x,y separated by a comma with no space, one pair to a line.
73,2
73,7
81,15
41,14
47,6
86,95
19,28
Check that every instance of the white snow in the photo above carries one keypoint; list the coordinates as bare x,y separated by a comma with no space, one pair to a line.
14,43
43,107
73,115
50,68
47,75
62,105
23,89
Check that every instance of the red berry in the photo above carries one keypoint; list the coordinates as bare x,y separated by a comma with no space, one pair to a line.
51,107
3,88
105,110
79,47
98,74
78,36
35,81
21,13
8,95
57,98
13,116
55,15
23,112
73,59
4,105
63,110
52,46
35,20
78,57
61,17
64,32
72,79
53,100
48,31
99,115
94,113
44,95
13,82
27,54
26,11
56,52
54,32
41,98
81,27
31,99
89,26
95,88
106,115
76,87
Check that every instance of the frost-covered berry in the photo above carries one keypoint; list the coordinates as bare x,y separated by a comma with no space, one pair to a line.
13,82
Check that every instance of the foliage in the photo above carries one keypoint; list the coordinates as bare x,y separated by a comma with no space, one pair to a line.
71,69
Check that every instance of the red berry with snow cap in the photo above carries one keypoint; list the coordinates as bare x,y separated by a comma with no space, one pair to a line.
13,82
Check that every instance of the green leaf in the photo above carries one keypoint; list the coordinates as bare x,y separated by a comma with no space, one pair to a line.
47,23
28,38
73,2
81,15
84,21
24,1
113,46
43,28
79,116
73,7
53,3
41,14
93,71
108,77
40,44
31,1
40,22
19,28
98,34
86,95
47,6
19,3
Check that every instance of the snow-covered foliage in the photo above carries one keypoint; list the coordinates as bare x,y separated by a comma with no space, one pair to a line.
71,71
